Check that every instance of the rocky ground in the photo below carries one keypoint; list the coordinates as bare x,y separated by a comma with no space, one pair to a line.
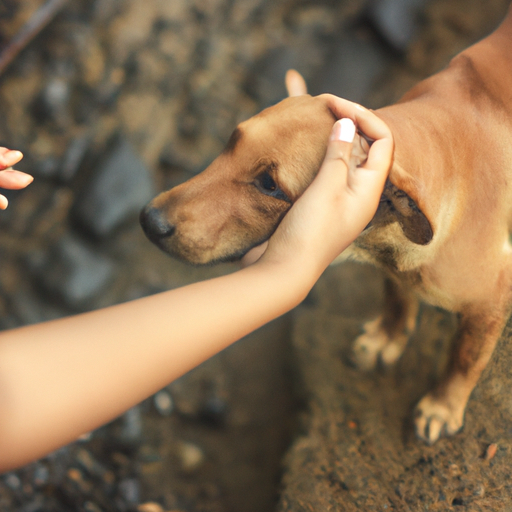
114,101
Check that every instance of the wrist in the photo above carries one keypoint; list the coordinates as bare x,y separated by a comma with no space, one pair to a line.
297,273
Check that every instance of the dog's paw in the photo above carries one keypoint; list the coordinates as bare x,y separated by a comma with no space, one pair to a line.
374,346
434,418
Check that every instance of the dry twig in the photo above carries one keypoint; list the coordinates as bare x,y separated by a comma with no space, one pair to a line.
41,18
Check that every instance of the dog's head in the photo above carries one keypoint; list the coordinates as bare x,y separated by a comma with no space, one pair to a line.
237,202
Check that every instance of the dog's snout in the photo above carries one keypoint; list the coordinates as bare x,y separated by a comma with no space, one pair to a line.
154,224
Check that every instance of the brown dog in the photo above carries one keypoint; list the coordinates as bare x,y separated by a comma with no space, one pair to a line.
442,227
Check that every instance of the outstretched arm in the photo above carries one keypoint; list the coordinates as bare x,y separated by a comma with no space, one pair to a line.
66,377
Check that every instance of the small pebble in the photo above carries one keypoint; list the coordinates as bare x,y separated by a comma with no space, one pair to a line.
90,464
163,403
12,481
84,438
131,429
191,456
41,475
491,451
90,506
213,411
479,491
75,475
150,507
129,490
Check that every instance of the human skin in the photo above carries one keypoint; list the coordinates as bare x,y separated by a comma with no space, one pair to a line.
63,378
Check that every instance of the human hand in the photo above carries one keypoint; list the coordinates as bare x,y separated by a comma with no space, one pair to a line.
9,178
340,202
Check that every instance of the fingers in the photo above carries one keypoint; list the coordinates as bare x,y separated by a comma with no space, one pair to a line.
340,141
295,84
9,157
9,178
380,156
374,128
14,180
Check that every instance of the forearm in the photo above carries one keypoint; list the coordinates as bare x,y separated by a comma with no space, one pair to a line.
72,375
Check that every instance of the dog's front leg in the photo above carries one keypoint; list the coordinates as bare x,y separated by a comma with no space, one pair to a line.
384,338
441,412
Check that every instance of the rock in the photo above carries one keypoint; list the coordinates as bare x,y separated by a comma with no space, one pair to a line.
191,456
396,20
150,507
118,190
90,506
266,83
52,104
41,475
73,272
129,491
213,410
12,481
74,156
88,462
163,403
30,309
131,429
352,68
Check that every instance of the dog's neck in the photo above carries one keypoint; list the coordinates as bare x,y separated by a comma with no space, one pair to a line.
434,123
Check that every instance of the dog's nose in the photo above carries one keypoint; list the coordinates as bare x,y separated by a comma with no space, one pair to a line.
154,224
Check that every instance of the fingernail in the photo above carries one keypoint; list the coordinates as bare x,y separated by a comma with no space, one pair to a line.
28,179
15,154
344,130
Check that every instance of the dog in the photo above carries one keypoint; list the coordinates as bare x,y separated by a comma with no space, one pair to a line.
441,231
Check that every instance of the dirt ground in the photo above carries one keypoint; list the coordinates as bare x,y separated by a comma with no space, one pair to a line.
280,421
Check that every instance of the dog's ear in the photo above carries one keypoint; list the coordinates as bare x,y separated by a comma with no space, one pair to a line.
396,205
403,208
295,83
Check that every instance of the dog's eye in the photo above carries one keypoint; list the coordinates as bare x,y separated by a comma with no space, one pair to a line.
266,184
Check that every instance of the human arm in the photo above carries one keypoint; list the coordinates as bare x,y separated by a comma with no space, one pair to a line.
66,377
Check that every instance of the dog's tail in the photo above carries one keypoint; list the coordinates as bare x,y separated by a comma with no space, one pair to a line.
295,84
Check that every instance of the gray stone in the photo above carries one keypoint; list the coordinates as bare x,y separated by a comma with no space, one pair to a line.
74,157
41,475
12,481
352,69
267,82
163,403
116,192
396,20
129,490
53,102
74,272
131,429
28,307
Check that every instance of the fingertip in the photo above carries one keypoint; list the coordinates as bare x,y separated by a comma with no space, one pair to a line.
9,157
380,156
3,202
28,178
344,130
